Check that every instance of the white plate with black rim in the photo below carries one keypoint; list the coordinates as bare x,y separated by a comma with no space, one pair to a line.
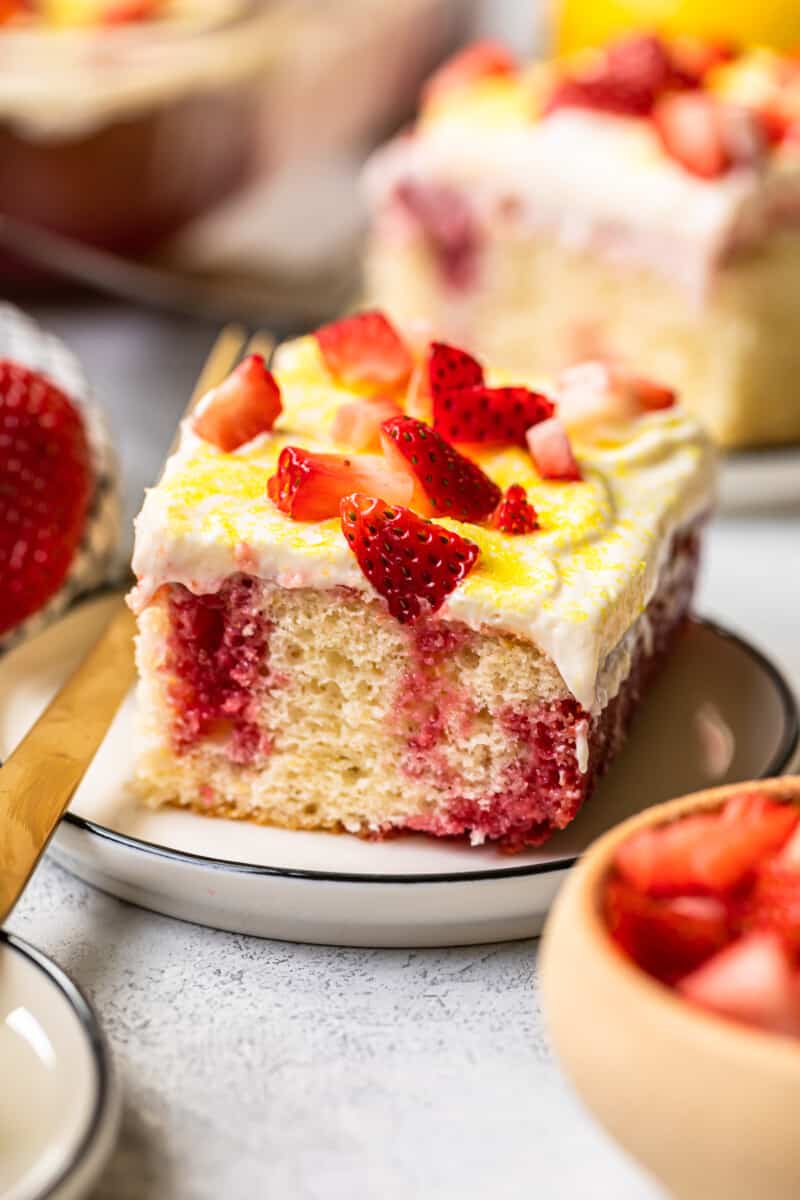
59,1101
734,719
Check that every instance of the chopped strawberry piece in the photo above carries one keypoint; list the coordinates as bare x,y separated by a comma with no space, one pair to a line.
365,350
515,514
774,901
45,488
493,416
650,395
450,369
551,451
667,938
706,135
358,423
243,406
481,60
708,852
596,391
587,393
454,485
309,487
693,58
9,9
125,12
744,134
413,563
750,981
627,79
689,128
777,125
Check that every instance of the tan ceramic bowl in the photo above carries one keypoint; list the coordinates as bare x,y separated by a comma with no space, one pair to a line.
709,1107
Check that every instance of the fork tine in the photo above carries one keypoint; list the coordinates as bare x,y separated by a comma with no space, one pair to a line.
262,343
220,362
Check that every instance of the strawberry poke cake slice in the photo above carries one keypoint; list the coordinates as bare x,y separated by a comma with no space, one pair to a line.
639,203
388,589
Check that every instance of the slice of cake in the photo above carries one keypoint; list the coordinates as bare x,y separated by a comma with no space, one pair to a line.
385,589
640,204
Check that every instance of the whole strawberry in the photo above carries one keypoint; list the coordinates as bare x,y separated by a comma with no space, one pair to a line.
45,486
413,563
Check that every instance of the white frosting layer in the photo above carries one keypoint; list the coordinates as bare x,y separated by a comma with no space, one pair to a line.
575,588
597,182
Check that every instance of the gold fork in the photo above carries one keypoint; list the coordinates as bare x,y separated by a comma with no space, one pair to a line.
40,777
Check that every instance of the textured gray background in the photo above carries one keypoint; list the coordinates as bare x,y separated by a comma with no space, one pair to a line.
261,1069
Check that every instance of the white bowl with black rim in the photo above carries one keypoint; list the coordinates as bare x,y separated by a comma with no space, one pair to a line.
59,1100
736,719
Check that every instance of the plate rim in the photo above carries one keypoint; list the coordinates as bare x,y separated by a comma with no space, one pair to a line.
104,1080
787,747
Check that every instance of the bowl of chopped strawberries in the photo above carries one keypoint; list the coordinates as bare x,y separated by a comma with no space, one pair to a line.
670,971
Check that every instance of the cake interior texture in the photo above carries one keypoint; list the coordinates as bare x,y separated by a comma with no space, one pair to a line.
313,708
532,303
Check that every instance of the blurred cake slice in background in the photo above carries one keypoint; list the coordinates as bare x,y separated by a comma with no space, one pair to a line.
123,121
638,204
59,513
383,590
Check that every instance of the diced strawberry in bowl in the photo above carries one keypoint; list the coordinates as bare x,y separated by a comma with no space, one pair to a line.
753,980
710,904
677,1024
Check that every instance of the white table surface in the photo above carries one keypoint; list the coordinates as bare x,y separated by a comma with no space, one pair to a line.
261,1069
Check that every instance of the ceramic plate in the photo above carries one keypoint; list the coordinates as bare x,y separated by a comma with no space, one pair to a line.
733,719
754,480
59,1119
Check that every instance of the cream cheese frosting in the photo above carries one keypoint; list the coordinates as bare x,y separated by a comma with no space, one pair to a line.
575,588
595,181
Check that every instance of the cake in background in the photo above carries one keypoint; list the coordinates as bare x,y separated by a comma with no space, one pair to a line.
638,205
385,590
103,104
59,517
123,121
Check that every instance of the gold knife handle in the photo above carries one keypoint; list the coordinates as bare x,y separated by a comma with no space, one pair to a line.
39,778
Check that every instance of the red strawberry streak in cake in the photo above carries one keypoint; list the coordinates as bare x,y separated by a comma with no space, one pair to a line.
218,656
423,711
443,216
543,789
218,653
